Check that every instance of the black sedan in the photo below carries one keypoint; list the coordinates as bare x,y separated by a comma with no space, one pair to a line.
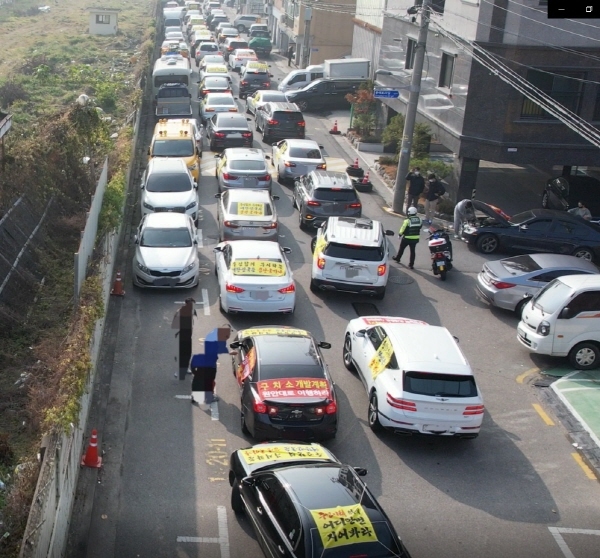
536,230
285,387
304,503
228,130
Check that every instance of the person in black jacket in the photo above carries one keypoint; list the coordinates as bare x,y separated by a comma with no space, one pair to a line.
434,192
415,187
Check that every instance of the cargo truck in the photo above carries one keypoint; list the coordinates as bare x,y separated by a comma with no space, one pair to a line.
347,68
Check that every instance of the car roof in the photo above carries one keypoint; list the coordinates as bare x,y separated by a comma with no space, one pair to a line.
247,249
178,128
245,195
245,153
354,230
581,281
546,261
167,219
303,143
167,165
284,106
331,179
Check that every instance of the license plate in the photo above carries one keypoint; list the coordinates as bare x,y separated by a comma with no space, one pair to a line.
351,272
434,428
164,282
260,295
521,333
234,136
440,264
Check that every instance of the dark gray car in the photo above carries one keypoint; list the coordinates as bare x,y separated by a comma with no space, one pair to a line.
323,194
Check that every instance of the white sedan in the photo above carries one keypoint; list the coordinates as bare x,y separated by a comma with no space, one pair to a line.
293,158
239,57
262,96
254,276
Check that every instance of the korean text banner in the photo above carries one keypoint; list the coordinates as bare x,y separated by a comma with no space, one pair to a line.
343,525
294,388
285,452
258,267
381,358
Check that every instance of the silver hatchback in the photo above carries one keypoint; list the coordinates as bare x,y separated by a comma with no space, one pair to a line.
510,283
242,167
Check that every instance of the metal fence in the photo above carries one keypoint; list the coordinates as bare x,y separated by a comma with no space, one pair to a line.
88,236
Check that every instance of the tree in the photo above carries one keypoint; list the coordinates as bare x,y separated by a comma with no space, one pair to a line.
421,141
392,133
364,105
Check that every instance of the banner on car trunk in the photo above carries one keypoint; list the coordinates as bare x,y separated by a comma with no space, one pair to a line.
285,452
294,388
258,267
343,525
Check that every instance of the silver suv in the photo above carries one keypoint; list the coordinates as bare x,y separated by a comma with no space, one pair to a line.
351,255
322,194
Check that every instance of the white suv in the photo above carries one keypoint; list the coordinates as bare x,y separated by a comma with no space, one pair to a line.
351,254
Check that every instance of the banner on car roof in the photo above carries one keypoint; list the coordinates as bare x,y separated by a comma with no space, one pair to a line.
258,267
285,452
286,331
294,388
375,320
381,358
343,525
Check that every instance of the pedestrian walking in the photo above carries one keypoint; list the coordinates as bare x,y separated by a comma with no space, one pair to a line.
434,192
415,187
204,366
290,54
463,213
581,211
410,234
184,322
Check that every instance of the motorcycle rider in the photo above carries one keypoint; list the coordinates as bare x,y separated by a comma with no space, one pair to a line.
410,233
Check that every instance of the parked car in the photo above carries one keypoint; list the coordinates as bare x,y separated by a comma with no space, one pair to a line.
536,230
321,194
242,167
564,192
228,130
166,252
293,158
299,498
243,22
325,94
279,121
254,276
213,103
245,214
512,282
285,386
262,96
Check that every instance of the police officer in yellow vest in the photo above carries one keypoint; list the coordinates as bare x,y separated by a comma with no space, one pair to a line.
409,232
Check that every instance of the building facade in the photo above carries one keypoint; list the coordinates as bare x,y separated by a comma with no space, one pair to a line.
104,21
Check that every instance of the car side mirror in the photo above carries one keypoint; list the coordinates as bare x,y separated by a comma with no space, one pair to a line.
149,151
217,249
286,250
249,482
522,227
275,198
324,345
249,119
142,185
566,314
360,333
136,239
389,233
235,345
321,147
268,157
360,471
218,196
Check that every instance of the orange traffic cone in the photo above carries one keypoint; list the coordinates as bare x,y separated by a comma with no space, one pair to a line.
365,179
355,165
91,459
117,289
334,130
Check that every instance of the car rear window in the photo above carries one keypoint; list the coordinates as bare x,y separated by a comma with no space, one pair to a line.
168,183
226,122
331,194
521,264
238,44
216,82
170,92
305,153
440,385
290,116
207,47
349,252
222,100
247,165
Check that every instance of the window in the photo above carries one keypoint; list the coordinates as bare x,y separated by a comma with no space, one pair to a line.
447,70
562,88
436,385
538,226
585,302
104,19
411,48
438,6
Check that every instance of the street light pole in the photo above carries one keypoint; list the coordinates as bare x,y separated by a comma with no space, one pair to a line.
411,111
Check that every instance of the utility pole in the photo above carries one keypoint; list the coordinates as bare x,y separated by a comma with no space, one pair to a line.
411,110
306,41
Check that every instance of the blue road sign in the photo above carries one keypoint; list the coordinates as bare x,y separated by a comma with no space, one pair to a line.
386,93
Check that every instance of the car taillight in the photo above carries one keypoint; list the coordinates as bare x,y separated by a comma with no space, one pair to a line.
322,166
272,411
231,225
243,82
219,135
501,284
312,203
331,409
246,134
272,122
471,410
302,123
263,178
233,289
354,206
291,288
206,92
228,176
402,404
231,49
259,407
289,164
381,269
270,226
233,109
267,84
208,109
321,263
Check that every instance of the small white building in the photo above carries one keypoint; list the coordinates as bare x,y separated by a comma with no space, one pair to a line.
103,21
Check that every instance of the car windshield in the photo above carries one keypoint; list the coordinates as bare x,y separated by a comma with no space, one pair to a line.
327,194
552,297
247,165
350,252
439,385
520,218
179,182
305,153
250,209
173,148
221,100
520,264
166,238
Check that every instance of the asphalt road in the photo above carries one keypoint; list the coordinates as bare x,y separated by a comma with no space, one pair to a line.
515,491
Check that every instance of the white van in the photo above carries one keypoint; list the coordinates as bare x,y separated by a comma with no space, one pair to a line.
300,78
170,69
563,319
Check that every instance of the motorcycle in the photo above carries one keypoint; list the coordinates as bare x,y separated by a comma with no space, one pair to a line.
440,249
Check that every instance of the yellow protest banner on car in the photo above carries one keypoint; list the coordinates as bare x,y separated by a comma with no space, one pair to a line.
343,525
381,358
319,245
255,209
258,267
273,331
282,453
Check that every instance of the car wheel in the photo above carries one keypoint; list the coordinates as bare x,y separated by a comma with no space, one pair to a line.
301,222
212,146
265,137
236,499
313,244
243,425
519,307
379,295
313,287
584,254
487,243
248,109
302,105
221,306
241,28
585,356
294,204
373,416
347,353
545,200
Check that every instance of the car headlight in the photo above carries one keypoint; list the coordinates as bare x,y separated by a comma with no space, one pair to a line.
190,205
143,268
188,267
543,328
148,206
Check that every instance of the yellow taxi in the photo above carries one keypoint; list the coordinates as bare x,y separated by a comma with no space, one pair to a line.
257,65
179,138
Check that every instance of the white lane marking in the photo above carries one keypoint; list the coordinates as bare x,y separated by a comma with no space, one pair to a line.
557,533
183,397
214,411
205,302
199,238
222,540
577,389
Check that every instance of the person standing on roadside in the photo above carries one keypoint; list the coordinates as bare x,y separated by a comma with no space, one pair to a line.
290,54
415,187
435,191
463,213
184,322
409,233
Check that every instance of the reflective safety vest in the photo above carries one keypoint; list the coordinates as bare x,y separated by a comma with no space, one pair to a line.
411,228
